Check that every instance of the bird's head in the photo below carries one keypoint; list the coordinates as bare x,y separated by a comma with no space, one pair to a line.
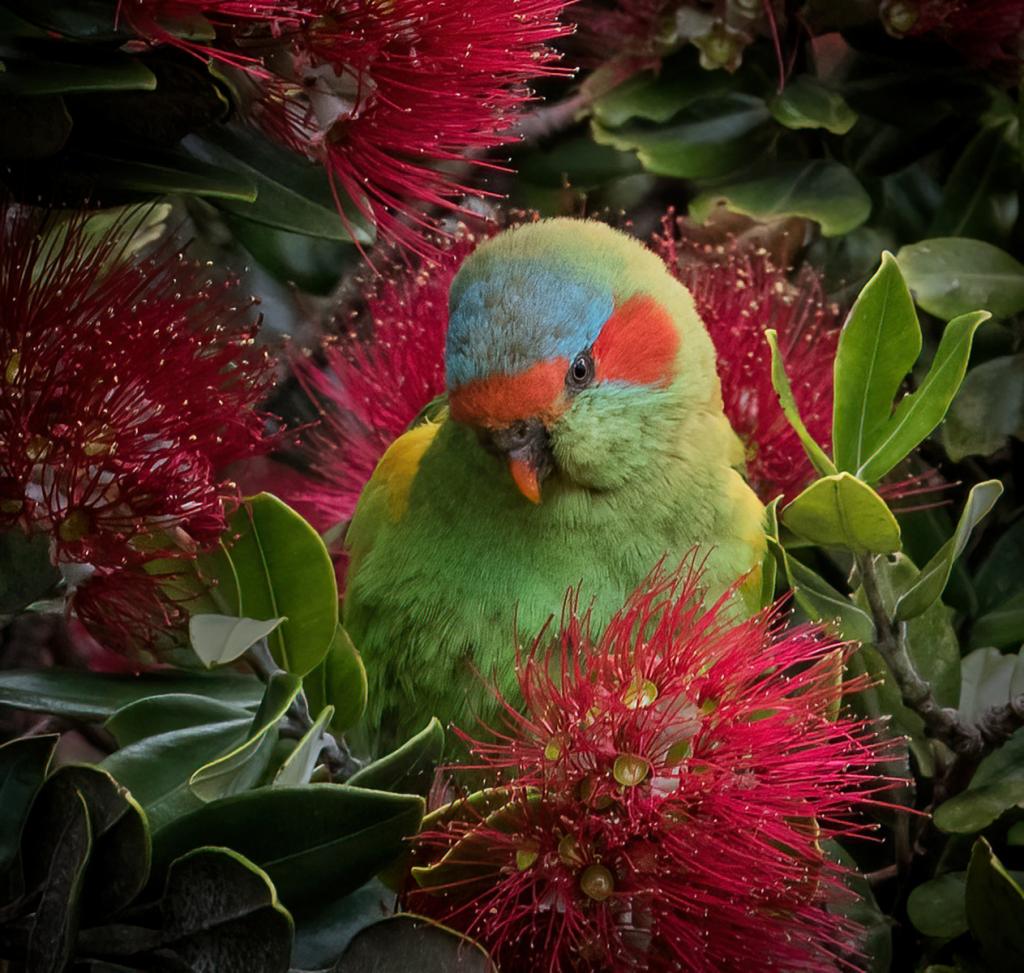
572,350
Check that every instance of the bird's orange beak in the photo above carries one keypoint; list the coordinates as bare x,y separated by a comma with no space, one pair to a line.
524,474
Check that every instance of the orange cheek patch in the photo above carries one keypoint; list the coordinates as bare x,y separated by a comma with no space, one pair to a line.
502,399
637,344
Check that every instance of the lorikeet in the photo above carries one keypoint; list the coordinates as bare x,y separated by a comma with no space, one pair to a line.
582,442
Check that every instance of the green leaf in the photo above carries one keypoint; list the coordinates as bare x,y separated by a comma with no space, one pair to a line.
240,768
165,173
220,639
918,413
709,138
339,681
301,762
293,194
938,907
410,768
658,96
55,920
26,574
841,511
321,936
989,678
806,103
988,409
24,764
284,569
997,786
314,842
119,862
826,192
577,162
927,588
405,942
221,913
172,711
953,275
1002,626
878,346
876,926
821,602
780,382
997,577
41,77
995,909
92,696
770,560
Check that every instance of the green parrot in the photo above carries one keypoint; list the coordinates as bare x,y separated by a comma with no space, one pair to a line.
583,442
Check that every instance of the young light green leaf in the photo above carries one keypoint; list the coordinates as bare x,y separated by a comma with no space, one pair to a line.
806,103
954,275
780,382
918,413
220,639
301,762
927,588
841,511
878,346
240,768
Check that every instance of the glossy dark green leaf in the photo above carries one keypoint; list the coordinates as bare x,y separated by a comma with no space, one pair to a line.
221,913
339,681
780,382
938,907
293,193
928,586
301,762
40,77
996,577
322,934
954,275
579,163
826,192
878,346
26,573
710,138
169,712
86,20
1002,625
997,786
995,909
242,766
315,842
410,768
406,942
842,511
918,413
24,764
220,639
988,409
93,696
806,103
284,569
55,920
119,863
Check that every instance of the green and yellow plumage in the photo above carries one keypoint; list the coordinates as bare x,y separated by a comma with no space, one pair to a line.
579,374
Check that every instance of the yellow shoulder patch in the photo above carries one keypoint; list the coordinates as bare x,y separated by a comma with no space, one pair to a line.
399,465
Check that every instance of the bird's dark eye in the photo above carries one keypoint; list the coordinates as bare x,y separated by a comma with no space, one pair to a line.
581,371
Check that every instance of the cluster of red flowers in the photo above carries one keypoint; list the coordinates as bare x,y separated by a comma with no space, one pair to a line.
379,93
378,378
674,780
126,383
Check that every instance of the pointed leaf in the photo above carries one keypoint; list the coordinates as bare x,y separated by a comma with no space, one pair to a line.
927,588
220,639
339,681
410,768
240,768
878,346
841,511
41,77
918,413
954,275
165,714
301,762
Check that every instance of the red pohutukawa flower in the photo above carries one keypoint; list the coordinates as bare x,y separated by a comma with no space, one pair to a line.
382,93
740,294
126,382
674,780
986,31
